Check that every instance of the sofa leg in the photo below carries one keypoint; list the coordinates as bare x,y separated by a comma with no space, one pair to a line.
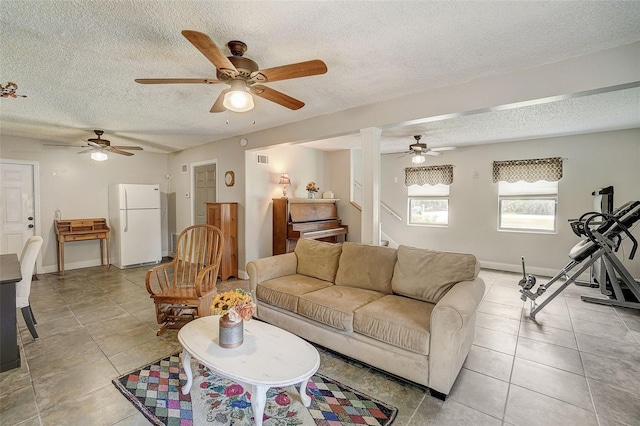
434,393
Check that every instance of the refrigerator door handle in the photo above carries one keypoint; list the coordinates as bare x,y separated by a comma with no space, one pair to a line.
126,211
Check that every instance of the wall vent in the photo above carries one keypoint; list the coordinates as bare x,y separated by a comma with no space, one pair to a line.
184,168
263,159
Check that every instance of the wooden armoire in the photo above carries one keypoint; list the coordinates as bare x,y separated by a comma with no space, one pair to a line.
225,217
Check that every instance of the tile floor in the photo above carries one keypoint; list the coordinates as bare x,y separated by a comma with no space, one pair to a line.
579,365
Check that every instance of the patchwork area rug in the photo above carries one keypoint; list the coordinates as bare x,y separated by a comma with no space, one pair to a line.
155,390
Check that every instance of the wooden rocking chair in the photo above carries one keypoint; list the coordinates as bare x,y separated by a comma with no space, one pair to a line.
184,288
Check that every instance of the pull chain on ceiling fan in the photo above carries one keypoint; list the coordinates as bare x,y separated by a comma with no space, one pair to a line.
242,75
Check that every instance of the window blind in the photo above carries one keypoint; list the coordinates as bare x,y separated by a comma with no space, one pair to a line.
533,170
432,175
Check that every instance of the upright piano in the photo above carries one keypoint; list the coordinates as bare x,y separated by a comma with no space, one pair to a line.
295,218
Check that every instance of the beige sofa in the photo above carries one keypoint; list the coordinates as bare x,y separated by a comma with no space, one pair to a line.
408,311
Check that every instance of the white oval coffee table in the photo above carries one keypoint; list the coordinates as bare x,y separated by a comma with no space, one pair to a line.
268,357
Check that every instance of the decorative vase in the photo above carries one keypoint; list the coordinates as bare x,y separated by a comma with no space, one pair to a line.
231,333
312,194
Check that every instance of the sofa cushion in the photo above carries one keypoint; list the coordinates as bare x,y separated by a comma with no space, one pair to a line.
334,306
318,259
283,292
428,274
397,320
367,267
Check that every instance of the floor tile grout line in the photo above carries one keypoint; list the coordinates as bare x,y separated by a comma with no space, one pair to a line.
513,365
585,375
417,408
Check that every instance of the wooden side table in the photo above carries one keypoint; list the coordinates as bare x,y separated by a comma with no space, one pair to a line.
82,230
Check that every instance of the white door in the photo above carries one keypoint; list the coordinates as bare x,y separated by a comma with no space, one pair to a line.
17,206
205,190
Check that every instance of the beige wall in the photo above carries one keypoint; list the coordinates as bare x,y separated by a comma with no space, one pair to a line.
303,165
592,161
79,188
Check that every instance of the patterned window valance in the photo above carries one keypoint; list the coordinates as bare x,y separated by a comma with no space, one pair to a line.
431,175
549,169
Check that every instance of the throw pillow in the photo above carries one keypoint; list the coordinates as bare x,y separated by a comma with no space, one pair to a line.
367,267
317,259
428,274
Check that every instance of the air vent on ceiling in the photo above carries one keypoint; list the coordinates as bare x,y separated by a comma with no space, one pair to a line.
263,159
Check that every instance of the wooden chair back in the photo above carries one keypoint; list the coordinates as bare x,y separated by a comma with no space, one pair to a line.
198,247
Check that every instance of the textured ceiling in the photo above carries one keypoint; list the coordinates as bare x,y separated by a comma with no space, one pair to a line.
77,61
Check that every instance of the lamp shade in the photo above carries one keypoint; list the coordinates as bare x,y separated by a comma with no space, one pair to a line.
99,156
284,179
238,99
418,159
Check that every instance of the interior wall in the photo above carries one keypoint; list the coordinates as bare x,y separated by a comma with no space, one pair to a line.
78,187
592,161
229,156
303,165
338,171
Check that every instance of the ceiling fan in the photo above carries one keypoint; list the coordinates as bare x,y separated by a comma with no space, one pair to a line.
419,150
243,75
99,147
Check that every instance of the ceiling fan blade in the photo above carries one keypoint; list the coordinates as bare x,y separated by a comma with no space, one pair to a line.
432,153
444,148
177,81
301,69
276,96
208,48
404,155
114,150
217,105
95,145
130,148
86,151
68,146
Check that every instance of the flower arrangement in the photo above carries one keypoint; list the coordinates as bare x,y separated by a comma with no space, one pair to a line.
238,304
311,187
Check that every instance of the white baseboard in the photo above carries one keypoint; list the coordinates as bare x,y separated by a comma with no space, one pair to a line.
47,269
545,272
242,274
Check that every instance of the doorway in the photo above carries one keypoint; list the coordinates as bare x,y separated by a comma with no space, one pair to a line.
19,205
204,190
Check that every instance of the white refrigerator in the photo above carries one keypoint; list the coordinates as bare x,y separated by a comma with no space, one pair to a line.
134,218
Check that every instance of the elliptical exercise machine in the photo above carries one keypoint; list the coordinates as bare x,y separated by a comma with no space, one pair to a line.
598,248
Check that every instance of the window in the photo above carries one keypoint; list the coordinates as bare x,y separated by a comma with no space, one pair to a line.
525,206
528,194
429,204
428,189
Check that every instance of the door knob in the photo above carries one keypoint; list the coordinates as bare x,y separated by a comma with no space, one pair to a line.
30,218
30,225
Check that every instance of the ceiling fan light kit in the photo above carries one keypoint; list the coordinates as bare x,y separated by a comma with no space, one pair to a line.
99,156
238,99
418,159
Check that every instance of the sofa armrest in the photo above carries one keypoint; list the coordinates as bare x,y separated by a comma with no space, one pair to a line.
453,326
271,267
